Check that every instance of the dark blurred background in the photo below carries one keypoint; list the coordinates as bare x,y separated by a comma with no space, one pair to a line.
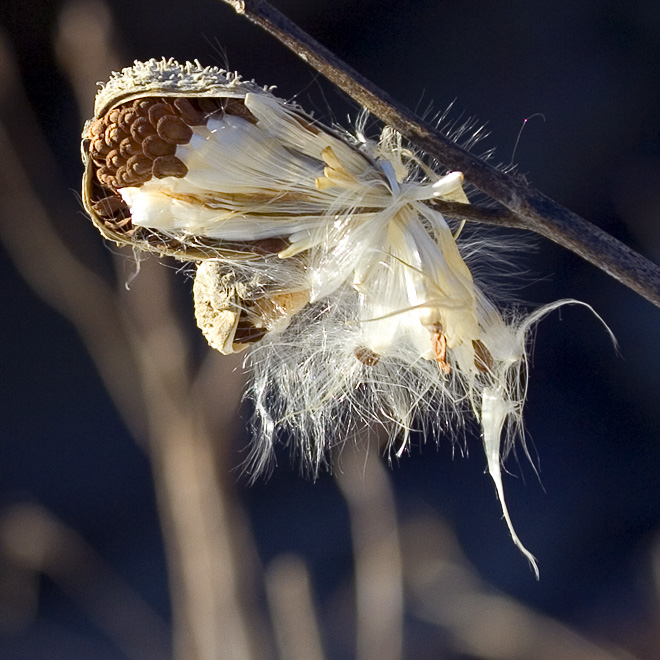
592,68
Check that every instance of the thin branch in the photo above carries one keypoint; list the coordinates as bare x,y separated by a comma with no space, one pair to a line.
472,213
446,591
535,211
65,283
201,519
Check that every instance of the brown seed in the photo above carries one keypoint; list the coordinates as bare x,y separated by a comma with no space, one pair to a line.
124,224
106,177
142,128
367,356
191,115
126,117
142,106
124,178
483,359
129,147
139,165
307,124
439,347
97,129
268,245
158,110
208,105
113,116
104,172
133,179
246,333
109,206
174,129
114,135
99,148
114,160
153,147
169,166
237,108
99,161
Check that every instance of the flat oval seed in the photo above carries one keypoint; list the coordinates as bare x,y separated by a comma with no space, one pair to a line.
124,178
191,115
99,147
141,128
113,116
129,147
126,117
153,147
104,172
267,245
107,178
97,129
158,110
109,206
208,105
142,107
139,165
237,108
366,356
246,333
114,135
169,166
483,359
174,129
114,160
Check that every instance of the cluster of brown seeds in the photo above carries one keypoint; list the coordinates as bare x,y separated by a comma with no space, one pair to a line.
136,141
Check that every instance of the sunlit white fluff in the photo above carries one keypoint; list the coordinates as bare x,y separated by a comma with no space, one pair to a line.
371,310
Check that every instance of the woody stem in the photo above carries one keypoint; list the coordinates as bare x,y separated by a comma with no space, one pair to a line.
527,207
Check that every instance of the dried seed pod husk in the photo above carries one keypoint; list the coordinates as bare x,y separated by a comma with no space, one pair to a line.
234,311
129,111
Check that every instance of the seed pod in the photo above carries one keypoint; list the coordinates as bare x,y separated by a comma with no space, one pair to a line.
141,115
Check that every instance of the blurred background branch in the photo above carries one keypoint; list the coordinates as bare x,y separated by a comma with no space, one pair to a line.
33,541
143,357
367,489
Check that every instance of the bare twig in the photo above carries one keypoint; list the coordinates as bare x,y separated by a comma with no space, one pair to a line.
61,280
446,591
535,211
202,525
487,215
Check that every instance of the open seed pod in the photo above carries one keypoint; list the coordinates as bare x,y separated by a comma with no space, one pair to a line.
137,151
142,115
